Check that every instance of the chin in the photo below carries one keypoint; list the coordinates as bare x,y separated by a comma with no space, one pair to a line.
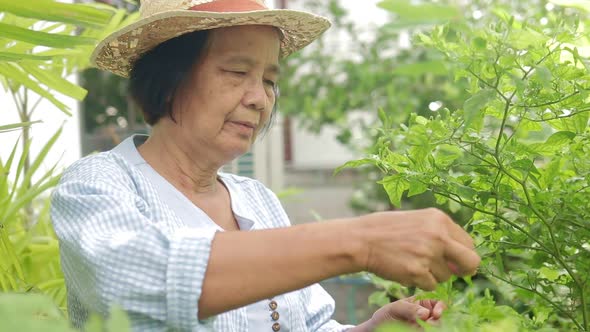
238,151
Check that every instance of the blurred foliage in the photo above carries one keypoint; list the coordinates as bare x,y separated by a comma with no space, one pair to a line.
42,43
514,153
107,103
38,313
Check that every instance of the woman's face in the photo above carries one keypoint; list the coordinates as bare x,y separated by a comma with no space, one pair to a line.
230,94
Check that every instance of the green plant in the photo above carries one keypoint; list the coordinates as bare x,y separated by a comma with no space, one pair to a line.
36,312
42,42
515,155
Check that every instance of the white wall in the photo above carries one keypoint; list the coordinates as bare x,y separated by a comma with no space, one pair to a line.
323,150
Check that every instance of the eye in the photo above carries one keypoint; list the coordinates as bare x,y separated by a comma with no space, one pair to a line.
270,83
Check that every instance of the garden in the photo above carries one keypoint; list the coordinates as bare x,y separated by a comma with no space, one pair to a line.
484,115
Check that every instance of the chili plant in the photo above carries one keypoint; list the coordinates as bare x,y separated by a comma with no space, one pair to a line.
516,155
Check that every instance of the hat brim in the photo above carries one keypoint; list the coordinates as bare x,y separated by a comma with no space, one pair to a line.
117,52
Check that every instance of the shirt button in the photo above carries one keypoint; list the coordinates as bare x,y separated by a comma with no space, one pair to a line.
273,305
276,327
274,315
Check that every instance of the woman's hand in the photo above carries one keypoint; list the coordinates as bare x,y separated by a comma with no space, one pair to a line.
415,248
408,310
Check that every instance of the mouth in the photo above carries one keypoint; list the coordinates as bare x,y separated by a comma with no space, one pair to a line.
247,124
243,128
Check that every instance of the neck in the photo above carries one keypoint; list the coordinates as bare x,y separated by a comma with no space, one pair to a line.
178,164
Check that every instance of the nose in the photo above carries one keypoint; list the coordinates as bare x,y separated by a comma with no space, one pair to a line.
255,95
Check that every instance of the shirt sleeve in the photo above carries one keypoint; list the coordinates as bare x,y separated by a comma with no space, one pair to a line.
115,253
319,309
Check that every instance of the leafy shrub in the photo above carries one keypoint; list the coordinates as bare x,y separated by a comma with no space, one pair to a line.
515,155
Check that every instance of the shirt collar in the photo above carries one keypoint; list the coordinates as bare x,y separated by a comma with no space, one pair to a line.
239,200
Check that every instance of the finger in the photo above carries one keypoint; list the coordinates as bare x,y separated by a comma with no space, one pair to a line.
453,267
440,270
428,304
466,260
455,231
408,311
439,307
459,234
426,282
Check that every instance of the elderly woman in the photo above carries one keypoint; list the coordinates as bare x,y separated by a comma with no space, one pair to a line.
155,227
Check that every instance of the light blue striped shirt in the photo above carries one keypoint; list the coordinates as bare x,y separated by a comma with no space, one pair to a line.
122,243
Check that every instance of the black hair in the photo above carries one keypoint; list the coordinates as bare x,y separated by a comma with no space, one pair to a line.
158,74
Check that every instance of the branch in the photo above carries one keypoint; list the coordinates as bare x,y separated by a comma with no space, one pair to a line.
553,304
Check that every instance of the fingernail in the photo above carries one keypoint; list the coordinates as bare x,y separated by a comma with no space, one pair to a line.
453,268
423,313
438,312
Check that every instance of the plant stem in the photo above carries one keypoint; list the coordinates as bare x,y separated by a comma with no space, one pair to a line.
545,298
25,116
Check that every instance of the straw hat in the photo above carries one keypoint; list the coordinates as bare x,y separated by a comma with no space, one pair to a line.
161,20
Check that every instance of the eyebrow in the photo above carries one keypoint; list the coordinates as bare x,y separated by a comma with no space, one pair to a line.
273,68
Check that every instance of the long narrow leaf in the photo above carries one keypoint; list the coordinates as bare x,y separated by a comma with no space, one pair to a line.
17,57
26,183
56,82
19,169
8,281
3,284
48,174
5,169
43,38
28,196
16,75
77,14
11,255
51,284
13,126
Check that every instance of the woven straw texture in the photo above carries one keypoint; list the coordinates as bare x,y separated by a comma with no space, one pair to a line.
165,19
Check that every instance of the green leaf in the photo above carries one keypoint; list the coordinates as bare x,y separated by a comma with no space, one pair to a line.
378,298
423,12
38,161
560,138
549,274
13,126
56,82
43,38
474,105
28,196
47,10
118,321
395,186
31,312
580,4
382,117
355,164
581,122
417,188
553,143
17,57
525,38
544,76
480,43
13,73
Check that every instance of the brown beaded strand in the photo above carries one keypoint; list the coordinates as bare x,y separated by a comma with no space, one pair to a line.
276,327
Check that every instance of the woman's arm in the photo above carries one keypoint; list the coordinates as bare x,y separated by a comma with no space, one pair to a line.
245,267
412,247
